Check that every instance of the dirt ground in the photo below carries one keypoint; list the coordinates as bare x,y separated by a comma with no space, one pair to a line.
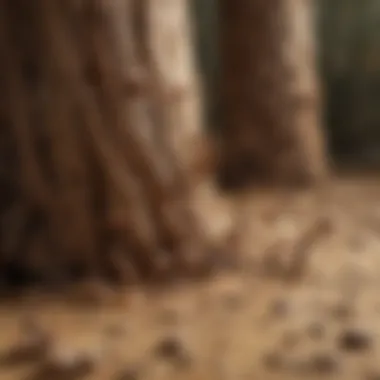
303,303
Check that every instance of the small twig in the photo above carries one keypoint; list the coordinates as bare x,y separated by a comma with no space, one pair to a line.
296,266
301,249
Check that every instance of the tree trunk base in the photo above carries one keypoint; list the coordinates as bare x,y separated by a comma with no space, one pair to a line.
95,185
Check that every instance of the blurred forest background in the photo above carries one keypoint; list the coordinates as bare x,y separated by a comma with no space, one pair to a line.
348,36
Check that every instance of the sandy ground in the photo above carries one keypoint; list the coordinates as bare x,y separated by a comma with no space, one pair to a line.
302,304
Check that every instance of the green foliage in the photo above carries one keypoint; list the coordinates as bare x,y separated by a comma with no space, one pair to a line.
349,32
205,13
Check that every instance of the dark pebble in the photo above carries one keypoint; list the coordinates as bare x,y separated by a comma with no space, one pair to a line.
341,312
354,340
169,347
172,349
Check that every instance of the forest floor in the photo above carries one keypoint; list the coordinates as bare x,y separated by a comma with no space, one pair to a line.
304,303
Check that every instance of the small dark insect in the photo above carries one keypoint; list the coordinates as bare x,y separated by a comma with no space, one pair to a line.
354,340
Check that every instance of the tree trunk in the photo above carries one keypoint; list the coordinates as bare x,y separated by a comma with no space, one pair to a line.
301,52
102,114
270,93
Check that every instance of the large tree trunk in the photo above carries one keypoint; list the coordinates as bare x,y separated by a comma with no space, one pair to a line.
102,114
270,92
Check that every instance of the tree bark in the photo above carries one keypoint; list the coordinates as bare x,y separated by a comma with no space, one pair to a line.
270,93
117,116
301,51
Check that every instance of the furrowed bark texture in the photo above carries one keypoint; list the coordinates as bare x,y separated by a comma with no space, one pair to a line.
99,121
269,93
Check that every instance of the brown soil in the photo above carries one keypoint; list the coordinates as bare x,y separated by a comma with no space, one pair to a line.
303,304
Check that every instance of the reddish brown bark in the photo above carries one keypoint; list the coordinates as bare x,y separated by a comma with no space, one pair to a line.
113,191
263,93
